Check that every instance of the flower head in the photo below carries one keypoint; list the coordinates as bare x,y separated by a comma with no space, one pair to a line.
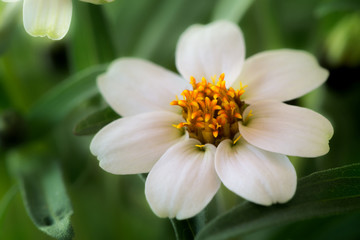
222,120
49,18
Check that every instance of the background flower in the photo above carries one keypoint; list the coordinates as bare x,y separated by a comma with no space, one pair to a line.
49,18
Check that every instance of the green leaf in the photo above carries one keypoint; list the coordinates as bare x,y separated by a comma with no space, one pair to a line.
232,10
90,40
60,100
328,7
93,123
121,13
8,14
5,201
167,21
43,191
320,194
188,228
183,229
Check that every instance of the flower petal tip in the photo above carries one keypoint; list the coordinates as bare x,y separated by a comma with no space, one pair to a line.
259,176
47,18
167,187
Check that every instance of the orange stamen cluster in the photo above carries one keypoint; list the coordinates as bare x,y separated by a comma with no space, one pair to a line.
211,111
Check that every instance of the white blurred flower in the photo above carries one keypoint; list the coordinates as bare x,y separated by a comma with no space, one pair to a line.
232,128
49,18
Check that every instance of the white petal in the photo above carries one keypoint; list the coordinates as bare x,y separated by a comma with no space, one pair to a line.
258,176
280,75
47,18
286,129
132,86
183,181
10,0
205,51
133,144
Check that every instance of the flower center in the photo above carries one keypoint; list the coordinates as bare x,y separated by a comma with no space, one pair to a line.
211,111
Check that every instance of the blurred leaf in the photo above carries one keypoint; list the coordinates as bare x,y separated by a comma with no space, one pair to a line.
232,10
5,201
261,26
328,7
155,26
93,123
341,98
188,228
90,41
12,128
183,229
159,35
8,16
11,83
43,191
328,228
60,100
4,99
320,194
341,45
121,13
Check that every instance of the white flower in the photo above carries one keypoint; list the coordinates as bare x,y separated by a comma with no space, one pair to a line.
221,130
49,18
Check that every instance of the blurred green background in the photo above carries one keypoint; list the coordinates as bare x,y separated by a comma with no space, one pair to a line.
47,87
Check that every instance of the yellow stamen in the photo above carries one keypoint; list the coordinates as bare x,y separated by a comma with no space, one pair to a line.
207,117
243,87
215,133
181,103
238,115
213,78
237,139
222,76
211,111
193,82
249,114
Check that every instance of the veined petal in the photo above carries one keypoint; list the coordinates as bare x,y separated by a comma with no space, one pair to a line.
133,144
183,181
47,18
290,130
280,75
258,176
133,86
213,49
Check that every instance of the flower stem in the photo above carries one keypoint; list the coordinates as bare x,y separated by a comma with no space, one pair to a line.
188,228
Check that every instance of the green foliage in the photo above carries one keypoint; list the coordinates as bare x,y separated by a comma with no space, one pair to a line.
328,7
58,102
43,191
91,44
183,229
7,19
93,123
342,41
6,199
324,193
188,228
231,10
